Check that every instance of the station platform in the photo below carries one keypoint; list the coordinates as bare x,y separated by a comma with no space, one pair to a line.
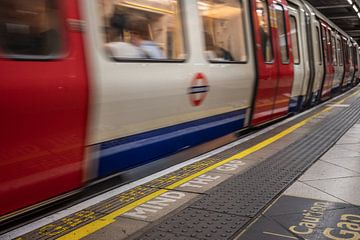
296,179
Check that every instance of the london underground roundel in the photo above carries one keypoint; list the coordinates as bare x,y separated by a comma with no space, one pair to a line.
198,89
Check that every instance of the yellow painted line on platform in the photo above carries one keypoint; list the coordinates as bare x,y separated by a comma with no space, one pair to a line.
110,218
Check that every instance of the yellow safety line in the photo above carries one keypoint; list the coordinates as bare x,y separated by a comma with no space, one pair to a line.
110,218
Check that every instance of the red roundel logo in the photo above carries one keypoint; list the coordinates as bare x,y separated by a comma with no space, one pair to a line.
198,90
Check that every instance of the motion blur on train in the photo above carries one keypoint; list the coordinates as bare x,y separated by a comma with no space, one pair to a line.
92,88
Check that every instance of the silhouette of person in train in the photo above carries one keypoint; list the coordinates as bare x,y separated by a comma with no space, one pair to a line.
149,48
139,46
215,52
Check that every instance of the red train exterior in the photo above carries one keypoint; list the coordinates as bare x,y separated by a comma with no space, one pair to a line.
44,106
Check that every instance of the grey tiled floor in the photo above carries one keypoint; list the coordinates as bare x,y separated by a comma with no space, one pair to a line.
315,203
337,173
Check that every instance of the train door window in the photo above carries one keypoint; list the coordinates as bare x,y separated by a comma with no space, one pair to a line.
350,54
30,29
333,49
329,46
325,46
339,51
143,30
294,39
262,12
346,52
224,30
281,27
318,37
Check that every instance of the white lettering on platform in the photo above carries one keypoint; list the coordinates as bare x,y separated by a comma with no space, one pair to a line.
200,181
231,166
155,205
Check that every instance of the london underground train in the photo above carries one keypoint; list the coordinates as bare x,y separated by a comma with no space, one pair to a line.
91,88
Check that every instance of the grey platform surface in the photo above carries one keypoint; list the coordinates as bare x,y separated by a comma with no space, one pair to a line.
244,198
224,211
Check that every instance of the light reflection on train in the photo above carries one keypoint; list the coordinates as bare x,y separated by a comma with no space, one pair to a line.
90,88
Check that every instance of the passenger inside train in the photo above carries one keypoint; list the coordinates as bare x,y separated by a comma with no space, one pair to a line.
150,30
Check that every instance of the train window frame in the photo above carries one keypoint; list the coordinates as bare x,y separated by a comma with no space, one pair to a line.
324,44
297,40
286,39
63,41
340,51
243,22
183,32
270,33
333,49
330,49
319,40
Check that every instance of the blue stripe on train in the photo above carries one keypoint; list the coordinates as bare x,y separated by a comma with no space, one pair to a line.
124,153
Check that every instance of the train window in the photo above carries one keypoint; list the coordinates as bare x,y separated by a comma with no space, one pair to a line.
281,27
334,50
318,37
329,47
143,30
339,51
325,48
29,29
350,55
294,39
224,30
262,12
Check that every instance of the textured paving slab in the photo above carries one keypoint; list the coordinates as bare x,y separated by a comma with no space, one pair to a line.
199,224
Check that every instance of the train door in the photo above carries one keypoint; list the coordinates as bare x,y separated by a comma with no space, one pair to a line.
318,60
285,60
328,62
340,67
298,56
358,60
346,63
43,102
266,67
355,60
351,64
337,68
274,65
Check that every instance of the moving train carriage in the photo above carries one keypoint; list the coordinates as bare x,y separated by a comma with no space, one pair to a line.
101,86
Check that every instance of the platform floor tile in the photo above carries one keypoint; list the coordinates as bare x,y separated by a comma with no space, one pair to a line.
347,189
